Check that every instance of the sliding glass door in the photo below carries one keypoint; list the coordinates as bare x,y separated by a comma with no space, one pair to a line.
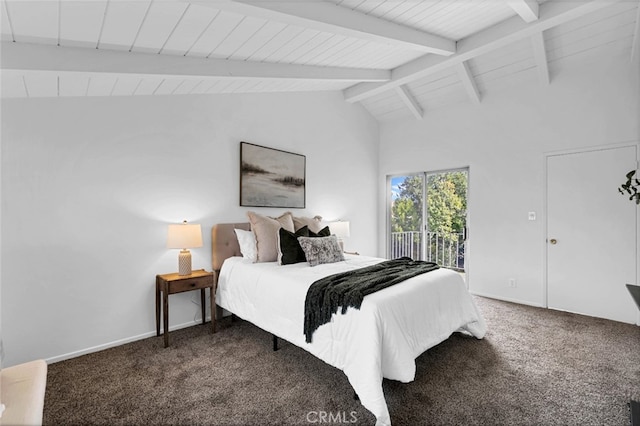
427,217
406,216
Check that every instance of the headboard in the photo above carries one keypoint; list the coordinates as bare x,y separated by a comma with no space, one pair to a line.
224,243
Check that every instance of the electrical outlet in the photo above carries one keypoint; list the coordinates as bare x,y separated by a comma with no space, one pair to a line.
512,283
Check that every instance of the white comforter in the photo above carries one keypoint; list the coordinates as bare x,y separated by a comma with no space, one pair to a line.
382,339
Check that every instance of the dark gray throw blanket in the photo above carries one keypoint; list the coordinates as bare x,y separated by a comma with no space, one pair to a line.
347,289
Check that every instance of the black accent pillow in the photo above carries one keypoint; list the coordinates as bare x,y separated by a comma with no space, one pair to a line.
290,250
324,232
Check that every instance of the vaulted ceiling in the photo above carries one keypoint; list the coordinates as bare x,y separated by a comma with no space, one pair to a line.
399,58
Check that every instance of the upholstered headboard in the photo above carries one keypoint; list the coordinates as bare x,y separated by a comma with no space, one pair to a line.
224,243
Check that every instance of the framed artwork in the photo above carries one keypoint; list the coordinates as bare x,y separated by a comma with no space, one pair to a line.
271,177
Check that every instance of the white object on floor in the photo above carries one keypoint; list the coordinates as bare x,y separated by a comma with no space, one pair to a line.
22,389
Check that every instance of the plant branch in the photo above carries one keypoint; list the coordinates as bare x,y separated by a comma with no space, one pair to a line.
630,187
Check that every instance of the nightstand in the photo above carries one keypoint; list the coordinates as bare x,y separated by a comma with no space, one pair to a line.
173,283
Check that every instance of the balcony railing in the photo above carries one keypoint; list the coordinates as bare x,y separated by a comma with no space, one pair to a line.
447,250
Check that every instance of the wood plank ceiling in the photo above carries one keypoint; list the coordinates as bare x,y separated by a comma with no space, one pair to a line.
399,58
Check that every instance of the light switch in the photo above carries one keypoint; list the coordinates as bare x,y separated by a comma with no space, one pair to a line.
532,215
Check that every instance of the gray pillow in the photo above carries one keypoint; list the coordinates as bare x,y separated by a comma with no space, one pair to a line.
319,250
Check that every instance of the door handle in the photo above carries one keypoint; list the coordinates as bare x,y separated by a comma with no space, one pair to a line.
553,241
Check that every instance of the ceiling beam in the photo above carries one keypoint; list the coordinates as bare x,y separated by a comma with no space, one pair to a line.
324,16
552,14
36,57
410,102
468,82
527,9
540,56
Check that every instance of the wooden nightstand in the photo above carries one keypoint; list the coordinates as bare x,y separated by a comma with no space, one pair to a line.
173,283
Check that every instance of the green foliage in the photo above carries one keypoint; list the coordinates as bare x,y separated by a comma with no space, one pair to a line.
406,213
630,187
447,207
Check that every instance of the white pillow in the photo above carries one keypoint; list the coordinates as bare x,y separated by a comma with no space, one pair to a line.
247,242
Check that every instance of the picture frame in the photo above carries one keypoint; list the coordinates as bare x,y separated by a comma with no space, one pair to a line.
271,177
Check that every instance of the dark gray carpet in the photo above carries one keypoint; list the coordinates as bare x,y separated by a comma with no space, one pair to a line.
534,367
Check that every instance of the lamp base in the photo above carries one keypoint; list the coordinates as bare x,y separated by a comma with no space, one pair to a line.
184,262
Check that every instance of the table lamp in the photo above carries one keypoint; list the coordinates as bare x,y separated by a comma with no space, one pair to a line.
341,230
184,236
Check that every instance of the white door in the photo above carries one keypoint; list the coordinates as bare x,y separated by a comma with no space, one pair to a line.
591,234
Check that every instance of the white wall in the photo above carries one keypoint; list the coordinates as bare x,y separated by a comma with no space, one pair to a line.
504,141
90,184
1,341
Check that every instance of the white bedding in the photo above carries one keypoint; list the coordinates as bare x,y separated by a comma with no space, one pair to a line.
382,339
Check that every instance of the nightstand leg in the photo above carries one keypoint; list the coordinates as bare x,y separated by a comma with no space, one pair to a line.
165,314
157,308
204,308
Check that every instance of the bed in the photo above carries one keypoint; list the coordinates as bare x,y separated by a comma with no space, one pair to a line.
380,340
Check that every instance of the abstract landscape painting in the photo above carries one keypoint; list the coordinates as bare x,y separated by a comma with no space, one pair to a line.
271,177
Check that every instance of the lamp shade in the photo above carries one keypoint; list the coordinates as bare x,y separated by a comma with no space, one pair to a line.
340,229
184,236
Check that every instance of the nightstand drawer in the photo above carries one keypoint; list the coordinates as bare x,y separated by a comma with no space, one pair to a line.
190,284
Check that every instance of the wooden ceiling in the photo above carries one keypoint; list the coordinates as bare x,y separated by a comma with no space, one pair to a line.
399,58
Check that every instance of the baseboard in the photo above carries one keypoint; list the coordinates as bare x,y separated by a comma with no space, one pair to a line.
120,342
507,299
